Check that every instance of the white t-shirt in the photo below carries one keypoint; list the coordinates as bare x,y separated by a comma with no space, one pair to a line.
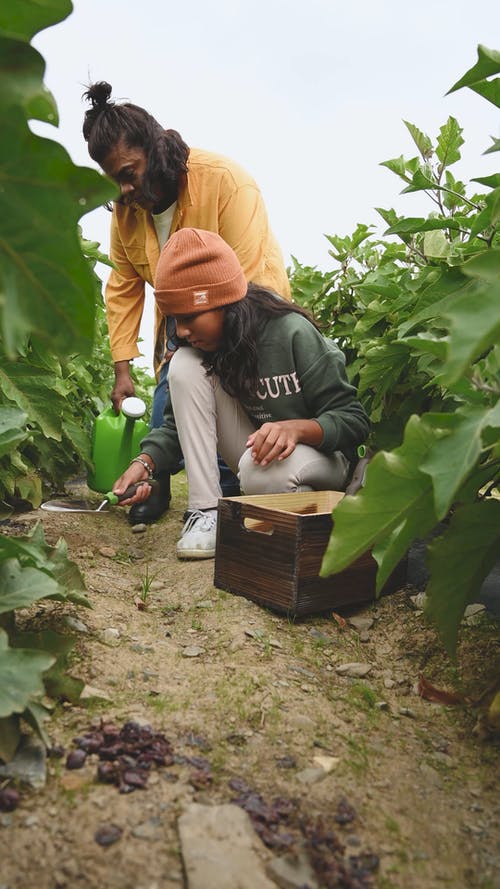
162,222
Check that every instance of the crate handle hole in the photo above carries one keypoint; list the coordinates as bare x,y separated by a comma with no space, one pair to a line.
259,526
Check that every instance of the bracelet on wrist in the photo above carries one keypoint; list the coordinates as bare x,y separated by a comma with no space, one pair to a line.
147,467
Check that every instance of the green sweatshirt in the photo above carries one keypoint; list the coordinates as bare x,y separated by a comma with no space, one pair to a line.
302,376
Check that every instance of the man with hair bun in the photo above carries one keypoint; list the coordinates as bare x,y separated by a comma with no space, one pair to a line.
165,186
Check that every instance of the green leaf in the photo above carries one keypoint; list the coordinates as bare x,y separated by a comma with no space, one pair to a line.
21,73
486,266
494,147
10,735
22,19
36,715
458,562
449,142
48,285
396,494
489,217
492,181
454,456
488,63
397,165
33,391
436,245
21,673
474,328
490,90
413,224
21,586
420,139
12,428
421,181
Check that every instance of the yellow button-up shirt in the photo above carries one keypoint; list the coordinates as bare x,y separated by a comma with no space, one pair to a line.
216,195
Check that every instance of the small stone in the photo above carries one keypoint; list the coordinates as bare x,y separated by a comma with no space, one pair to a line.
90,691
148,830
419,600
205,603
318,636
364,636
389,683
108,551
192,651
295,668
74,624
355,669
311,776
140,528
111,634
475,608
274,643
108,834
406,711
361,624
327,763
381,705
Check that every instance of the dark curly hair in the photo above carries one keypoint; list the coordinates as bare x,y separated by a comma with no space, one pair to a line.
237,362
106,123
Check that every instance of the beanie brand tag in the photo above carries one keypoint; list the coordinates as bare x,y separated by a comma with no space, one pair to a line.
200,297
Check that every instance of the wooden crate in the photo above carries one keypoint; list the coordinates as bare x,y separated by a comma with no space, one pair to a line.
270,547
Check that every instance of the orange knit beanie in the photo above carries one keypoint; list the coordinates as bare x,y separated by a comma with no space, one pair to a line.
197,271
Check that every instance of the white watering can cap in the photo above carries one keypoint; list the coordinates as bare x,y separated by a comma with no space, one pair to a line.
133,407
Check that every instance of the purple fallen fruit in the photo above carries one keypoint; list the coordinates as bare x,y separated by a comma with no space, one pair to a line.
108,834
76,759
9,799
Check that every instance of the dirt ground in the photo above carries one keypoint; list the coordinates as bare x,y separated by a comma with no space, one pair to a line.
242,693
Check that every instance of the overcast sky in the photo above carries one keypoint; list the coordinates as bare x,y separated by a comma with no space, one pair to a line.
310,97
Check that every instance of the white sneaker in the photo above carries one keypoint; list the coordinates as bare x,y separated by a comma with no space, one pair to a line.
198,536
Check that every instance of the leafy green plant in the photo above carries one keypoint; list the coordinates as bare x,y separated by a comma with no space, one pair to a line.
420,323
48,298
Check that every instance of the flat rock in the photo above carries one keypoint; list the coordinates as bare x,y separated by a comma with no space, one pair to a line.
192,651
355,669
220,849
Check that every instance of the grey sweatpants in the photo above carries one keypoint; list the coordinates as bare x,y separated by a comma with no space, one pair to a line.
209,421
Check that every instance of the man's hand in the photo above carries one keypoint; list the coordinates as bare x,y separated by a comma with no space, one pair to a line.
124,385
276,441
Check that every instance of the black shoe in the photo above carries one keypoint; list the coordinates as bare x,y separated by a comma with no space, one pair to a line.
156,504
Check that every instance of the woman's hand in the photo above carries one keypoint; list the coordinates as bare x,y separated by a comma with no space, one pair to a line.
133,475
276,441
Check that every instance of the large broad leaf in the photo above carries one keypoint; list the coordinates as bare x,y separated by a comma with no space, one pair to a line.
52,562
458,562
488,63
21,73
33,390
411,225
456,454
22,19
22,586
474,328
21,674
12,428
396,495
489,89
58,684
48,286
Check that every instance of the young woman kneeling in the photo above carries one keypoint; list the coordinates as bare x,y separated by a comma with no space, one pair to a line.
254,381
